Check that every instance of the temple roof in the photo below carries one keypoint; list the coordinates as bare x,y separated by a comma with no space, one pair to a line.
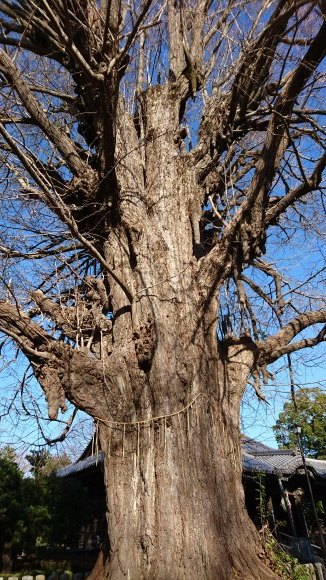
257,457
283,462
82,465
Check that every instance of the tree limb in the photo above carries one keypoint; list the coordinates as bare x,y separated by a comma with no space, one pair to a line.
249,221
300,344
58,137
310,184
77,319
62,210
64,372
274,347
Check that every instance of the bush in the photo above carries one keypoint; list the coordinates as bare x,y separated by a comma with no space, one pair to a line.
282,563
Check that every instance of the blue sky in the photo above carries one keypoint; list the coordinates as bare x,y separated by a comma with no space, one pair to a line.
257,417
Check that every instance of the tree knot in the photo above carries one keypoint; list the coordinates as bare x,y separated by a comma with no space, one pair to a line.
145,342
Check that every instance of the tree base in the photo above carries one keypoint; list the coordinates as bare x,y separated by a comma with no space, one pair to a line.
254,568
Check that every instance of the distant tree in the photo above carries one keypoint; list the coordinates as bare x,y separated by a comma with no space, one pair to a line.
68,508
56,508
38,460
37,519
8,452
309,414
42,509
54,463
11,507
42,462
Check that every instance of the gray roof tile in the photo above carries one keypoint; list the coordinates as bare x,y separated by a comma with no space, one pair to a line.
257,457
82,465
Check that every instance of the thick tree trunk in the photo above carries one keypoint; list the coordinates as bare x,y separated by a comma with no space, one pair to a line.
173,473
172,442
175,499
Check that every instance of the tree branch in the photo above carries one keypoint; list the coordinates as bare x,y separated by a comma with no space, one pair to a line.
249,221
270,271
310,184
56,136
39,254
67,373
63,433
69,45
300,344
120,56
276,346
62,210
77,319
14,320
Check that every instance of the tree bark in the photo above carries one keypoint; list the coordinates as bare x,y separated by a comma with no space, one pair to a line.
169,509
172,443
174,494
175,498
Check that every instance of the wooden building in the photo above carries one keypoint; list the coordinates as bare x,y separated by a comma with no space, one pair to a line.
275,486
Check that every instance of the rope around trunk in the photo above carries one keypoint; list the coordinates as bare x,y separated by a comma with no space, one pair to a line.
112,422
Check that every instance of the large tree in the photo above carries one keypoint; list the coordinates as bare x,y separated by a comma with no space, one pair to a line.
153,153
307,410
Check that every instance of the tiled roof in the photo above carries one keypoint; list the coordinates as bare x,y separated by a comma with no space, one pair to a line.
252,446
257,457
252,463
318,466
81,465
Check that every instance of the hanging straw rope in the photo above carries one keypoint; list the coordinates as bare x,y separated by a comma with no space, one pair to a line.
147,422
123,425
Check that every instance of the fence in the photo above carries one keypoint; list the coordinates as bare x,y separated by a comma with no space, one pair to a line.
53,576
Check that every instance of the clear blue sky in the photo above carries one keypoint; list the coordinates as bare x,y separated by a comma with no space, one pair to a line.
258,417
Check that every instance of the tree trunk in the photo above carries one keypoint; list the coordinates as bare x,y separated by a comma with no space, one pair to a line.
175,499
172,442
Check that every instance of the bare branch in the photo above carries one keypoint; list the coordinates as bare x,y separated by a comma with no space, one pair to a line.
57,205
119,58
61,370
300,344
32,339
59,138
274,347
310,184
38,255
70,45
270,271
249,221
74,320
